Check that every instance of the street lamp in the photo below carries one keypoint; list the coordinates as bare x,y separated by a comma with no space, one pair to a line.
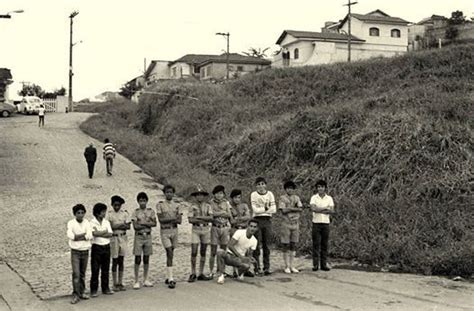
73,14
227,35
8,15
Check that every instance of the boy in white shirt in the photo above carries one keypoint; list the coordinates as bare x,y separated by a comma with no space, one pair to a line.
79,233
263,207
322,206
41,111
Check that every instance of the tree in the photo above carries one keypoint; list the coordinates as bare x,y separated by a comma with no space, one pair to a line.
253,52
129,89
31,90
457,18
55,93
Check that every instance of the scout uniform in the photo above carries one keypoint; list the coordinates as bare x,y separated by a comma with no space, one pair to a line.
290,223
143,241
220,225
200,232
240,210
169,231
118,241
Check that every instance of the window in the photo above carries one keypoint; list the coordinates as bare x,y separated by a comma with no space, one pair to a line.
395,33
173,72
374,32
297,53
240,68
196,69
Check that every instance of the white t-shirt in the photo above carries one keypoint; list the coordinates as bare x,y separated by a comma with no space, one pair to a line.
324,202
74,227
260,201
41,111
105,225
243,243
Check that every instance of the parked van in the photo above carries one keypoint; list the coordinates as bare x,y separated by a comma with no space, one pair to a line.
30,104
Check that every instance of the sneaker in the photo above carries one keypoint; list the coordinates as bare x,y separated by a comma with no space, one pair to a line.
122,288
325,268
84,297
147,284
171,284
75,300
287,270
108,292
294,270
220,279
315,268
192,278
167,281
94,294
136,285
249,274
116,288
267,272
203,277
259,272
241,277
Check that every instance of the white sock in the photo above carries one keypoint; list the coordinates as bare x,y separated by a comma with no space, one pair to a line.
169,271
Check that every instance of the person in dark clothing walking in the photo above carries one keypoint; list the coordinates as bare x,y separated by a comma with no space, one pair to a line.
91,156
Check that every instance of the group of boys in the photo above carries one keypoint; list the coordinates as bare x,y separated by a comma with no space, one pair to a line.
240,232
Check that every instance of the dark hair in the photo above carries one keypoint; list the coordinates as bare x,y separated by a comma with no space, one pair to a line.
98,208
289,185
77,208
218,188
167,187
235,192
106,140
142,195
117,199
254,221
321,183
260,179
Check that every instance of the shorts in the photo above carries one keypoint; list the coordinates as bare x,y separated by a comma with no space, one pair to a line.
169,237
118,246
142,245
200,235
289,234
220,236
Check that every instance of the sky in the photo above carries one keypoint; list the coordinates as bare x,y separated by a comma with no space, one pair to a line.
114,37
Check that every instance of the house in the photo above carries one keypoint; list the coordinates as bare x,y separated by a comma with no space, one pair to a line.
373,34
5,81
187,66
216,67
157,70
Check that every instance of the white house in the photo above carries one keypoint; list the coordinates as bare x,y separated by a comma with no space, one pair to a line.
157,70
188,66
372,34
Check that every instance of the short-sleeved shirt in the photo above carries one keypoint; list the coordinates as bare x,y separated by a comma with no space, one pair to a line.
169,209
240,210
116,218
324,202
219,207
100,226
200,209
293,201
243,242
144,215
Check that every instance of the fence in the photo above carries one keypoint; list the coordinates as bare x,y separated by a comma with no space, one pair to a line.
58,104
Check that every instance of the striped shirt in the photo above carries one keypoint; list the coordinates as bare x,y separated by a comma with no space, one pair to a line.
109,150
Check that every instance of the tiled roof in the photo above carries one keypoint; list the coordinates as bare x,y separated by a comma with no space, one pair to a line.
193,58
379,19
236,58
321,36
5,74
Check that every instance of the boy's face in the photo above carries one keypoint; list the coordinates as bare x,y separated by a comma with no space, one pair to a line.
142,203
237,199
102,214
80,215
200,197
219,195
116,206
252,228
261,187
290,191
321,189
169,193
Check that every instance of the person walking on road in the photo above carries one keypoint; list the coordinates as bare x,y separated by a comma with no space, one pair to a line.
79,233
239,252
41,111
109,156
90,153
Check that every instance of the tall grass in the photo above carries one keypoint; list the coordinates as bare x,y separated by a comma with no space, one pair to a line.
393,137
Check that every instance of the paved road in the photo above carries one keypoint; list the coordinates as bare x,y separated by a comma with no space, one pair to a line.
43,174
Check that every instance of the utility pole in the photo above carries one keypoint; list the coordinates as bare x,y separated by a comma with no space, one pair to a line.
349,4
8,15
73,14
227,35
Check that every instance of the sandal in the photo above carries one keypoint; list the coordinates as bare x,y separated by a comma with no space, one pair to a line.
171,284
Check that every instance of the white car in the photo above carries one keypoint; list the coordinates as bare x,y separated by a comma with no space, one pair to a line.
30,104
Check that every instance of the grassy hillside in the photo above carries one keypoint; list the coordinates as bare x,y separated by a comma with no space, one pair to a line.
393,137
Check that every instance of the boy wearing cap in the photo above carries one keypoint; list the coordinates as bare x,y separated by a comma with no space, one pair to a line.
291,207
200,215
222,214
120,222
170,216
143,219
263,206
79,233
322,206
